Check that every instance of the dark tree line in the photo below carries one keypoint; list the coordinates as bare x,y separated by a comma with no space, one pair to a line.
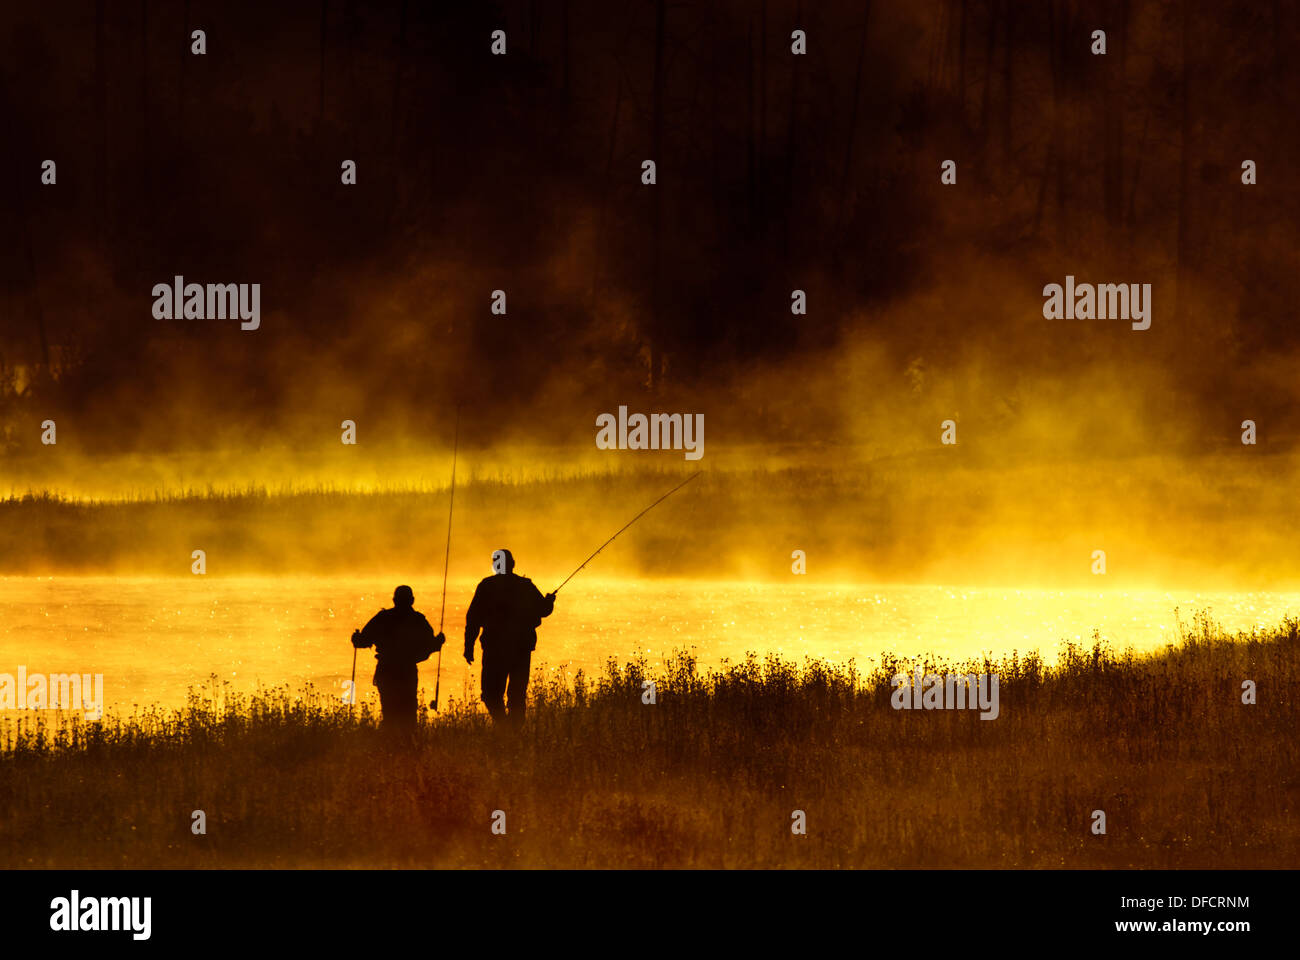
522,173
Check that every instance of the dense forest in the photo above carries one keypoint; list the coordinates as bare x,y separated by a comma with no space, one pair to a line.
775,171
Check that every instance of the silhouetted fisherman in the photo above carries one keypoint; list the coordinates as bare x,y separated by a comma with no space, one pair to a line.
402,638
508,609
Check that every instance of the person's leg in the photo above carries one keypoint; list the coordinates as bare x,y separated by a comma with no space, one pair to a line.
397,698
520,665
387,704
408,706
495,671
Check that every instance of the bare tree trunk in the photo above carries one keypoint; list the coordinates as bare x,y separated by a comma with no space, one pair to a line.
1279,42
1113,125
938,52
790,140
1049,158
853,119
144,63
762,119
1053,161
351,31
751,159
988,74
19,211
394,143
1060,32
721,208
145,154
320,113
397,78
564,49
1131,216
1008,86
961,67
1183,178
101,109
37,310
185,55
604,193
656,294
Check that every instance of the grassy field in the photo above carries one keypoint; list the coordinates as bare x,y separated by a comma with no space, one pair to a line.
706,777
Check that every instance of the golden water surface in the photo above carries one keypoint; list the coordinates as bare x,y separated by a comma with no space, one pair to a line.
154,638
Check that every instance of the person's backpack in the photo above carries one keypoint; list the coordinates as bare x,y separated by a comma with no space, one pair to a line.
424,645
425,649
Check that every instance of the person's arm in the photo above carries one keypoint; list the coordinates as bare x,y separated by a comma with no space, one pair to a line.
367,635
473,623
435,640
545,604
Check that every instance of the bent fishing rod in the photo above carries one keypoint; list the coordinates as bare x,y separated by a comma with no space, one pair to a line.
625,526
446,560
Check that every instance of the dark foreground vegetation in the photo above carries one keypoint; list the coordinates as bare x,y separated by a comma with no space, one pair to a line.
708,776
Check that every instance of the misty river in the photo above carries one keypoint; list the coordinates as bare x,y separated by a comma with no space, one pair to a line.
153,638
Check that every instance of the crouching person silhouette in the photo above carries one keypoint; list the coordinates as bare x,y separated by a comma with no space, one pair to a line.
402,638
508,609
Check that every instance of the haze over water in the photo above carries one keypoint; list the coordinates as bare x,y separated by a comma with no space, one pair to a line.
153,638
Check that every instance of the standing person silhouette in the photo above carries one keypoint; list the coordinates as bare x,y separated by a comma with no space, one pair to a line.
508,609
402,638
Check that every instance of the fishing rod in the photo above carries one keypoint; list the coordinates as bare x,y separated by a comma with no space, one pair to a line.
625,526
446,560
352,688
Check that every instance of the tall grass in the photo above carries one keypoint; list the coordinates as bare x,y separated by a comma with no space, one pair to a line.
708,776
